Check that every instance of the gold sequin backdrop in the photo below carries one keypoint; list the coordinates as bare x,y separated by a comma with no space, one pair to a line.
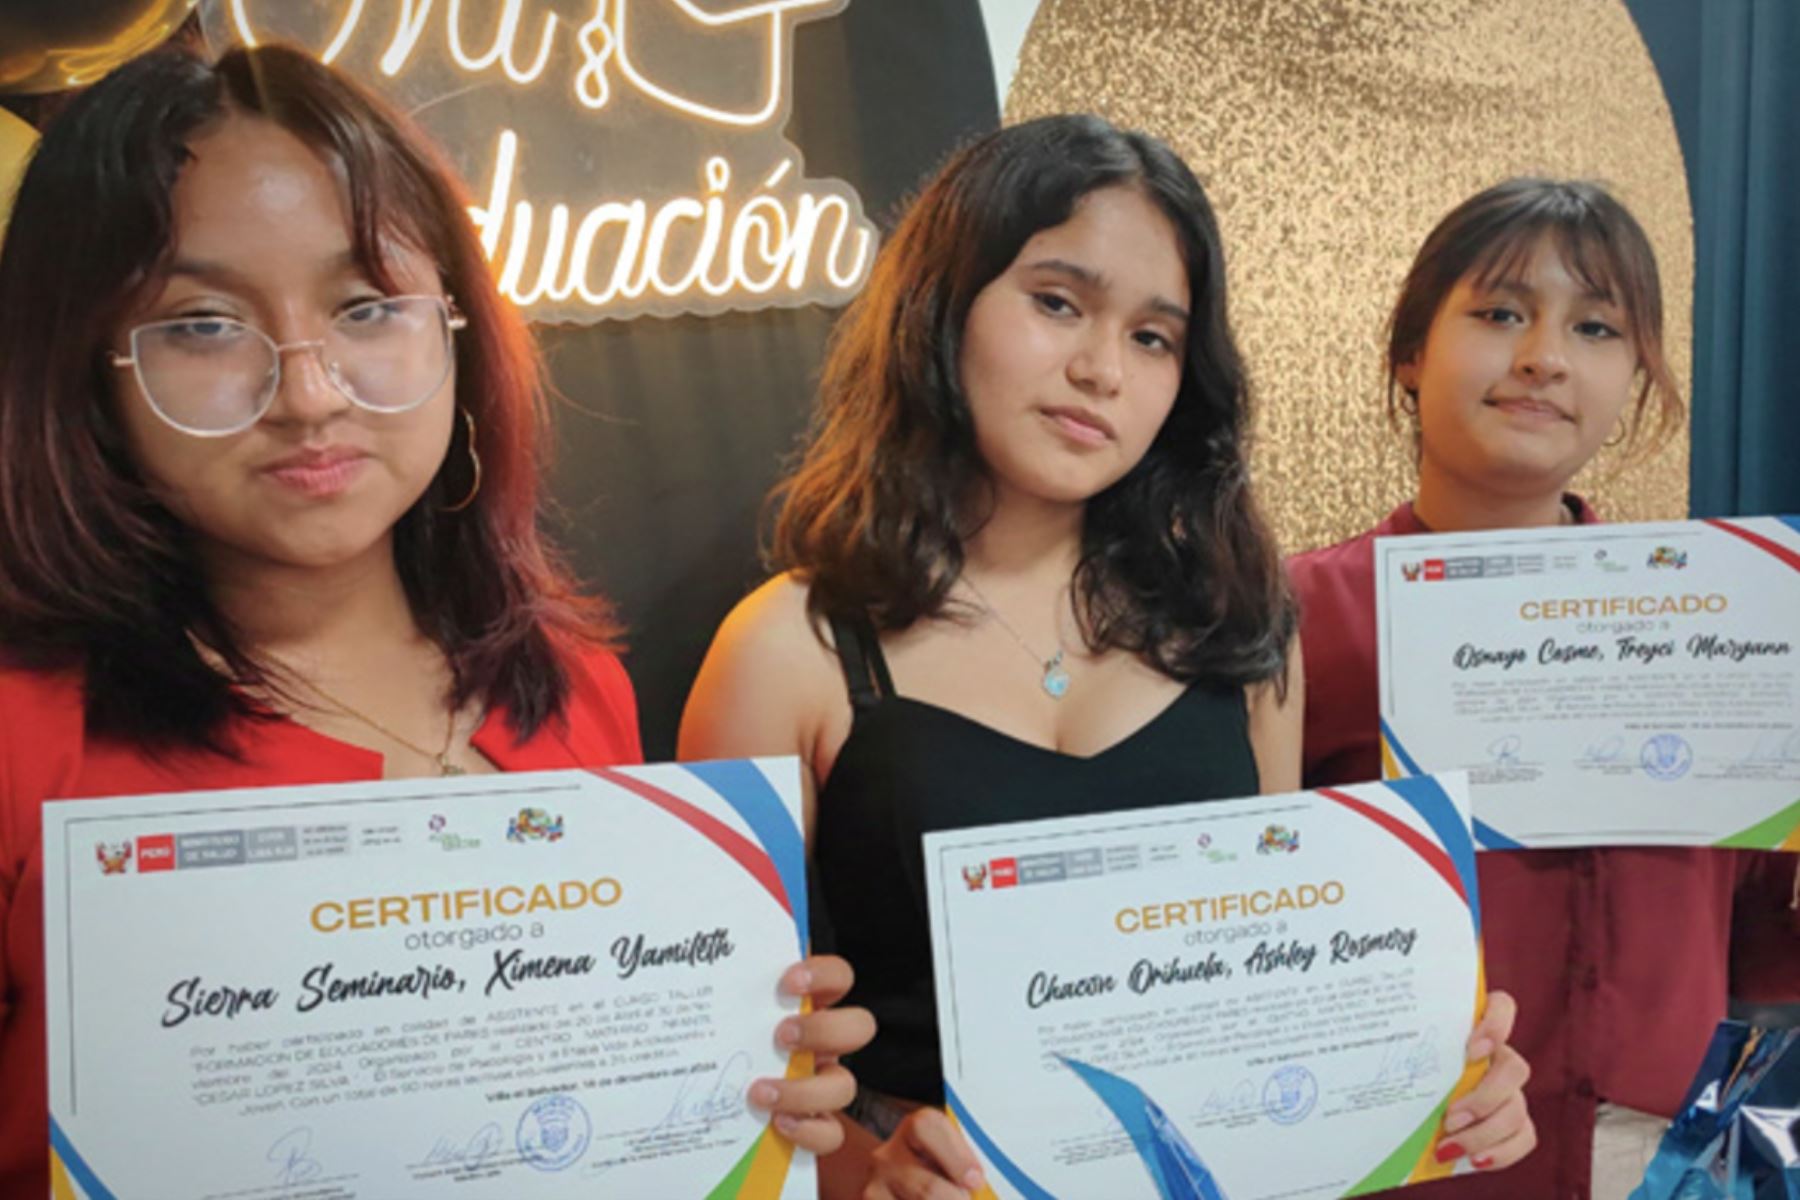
1331,136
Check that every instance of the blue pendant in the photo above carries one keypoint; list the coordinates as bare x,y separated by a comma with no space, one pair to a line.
1056,680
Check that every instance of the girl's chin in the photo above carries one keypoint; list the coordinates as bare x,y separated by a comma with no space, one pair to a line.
1529,477
1537,454
331,550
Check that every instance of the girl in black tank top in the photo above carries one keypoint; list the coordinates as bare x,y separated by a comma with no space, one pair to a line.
910,767
1025,499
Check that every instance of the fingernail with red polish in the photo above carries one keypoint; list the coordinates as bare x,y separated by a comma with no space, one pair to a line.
1448,1152
1482,1163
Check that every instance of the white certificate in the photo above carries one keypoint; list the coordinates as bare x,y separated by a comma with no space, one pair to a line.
1249,999
1610,684
547,984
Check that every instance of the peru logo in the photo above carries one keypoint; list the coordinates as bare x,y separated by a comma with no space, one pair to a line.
976,876
156,853
114,857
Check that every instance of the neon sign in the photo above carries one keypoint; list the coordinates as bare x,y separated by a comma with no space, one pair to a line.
628,155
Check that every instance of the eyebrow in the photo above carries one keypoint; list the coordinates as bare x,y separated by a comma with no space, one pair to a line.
218,273
1518,287
1088,277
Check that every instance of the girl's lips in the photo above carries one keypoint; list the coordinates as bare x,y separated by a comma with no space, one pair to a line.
319,478
1520,406
1083,428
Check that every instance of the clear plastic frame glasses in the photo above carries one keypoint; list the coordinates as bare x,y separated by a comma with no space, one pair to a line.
213,376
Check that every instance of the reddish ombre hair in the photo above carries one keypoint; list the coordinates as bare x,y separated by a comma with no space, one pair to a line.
95,574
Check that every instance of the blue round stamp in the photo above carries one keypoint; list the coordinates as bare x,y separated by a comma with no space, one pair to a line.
554,1133
1290,1095
1666,756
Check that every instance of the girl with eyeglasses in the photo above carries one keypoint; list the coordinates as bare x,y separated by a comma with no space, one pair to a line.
1024,576
1528,332
269,479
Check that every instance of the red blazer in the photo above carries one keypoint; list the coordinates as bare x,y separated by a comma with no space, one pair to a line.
1621,959
45,754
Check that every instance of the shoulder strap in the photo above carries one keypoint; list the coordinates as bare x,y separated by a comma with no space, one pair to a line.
865,668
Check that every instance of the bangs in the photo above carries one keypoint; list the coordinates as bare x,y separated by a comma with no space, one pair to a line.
1587,253
391,209
1489,240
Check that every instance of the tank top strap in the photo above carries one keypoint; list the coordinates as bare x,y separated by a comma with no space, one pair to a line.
865,667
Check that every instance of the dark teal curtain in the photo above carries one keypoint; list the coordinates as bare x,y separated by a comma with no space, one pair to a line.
1731,70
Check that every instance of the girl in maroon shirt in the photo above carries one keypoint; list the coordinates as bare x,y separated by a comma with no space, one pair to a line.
1527,334
268,497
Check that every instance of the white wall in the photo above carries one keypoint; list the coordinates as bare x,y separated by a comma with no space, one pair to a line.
1007,22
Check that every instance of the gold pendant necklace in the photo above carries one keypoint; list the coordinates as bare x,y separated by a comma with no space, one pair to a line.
445,767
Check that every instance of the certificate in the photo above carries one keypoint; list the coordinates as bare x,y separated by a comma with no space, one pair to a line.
1249,999
547,984
1611,684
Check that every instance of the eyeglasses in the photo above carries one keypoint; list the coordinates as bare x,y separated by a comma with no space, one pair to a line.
216,376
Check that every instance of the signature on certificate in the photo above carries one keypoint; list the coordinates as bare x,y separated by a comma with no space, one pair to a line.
709,1098
292,1156
470,1152
1778,746
1240,1097
1506,749
1610,750
1408,1060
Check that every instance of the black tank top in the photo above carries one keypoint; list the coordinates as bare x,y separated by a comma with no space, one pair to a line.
909,768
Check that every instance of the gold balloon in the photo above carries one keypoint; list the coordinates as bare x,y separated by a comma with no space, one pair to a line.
47,46
16,141
1331,136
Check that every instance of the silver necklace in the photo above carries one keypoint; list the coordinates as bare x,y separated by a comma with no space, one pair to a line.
1055,680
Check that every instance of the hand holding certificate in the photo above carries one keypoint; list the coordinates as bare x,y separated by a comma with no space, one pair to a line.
1169,1002
560,982
1602,684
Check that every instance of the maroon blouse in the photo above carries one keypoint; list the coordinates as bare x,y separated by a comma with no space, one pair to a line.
1621,959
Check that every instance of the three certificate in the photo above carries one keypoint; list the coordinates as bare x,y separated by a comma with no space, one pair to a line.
1602,684
1253,998
555,984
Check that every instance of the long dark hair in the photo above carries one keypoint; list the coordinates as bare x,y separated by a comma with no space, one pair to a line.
95,573
1176,562
1492,234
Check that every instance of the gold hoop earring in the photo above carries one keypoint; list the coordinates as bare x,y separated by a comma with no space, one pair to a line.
474,466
